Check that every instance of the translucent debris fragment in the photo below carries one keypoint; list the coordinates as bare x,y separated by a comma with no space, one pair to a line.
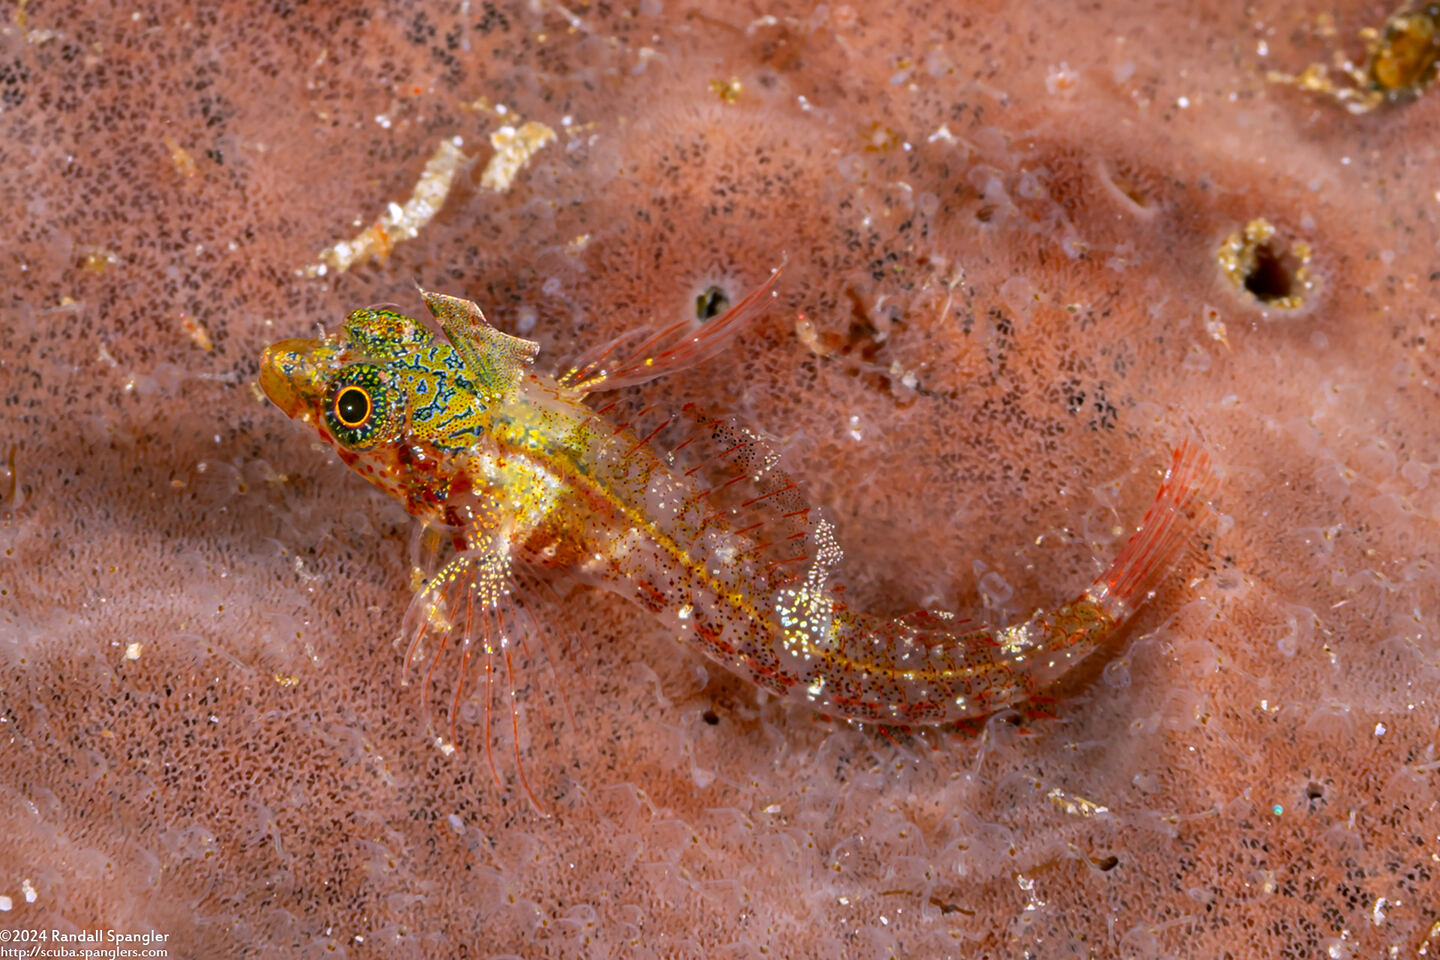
399,222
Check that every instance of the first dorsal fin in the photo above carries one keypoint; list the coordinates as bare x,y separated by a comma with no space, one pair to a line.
494,359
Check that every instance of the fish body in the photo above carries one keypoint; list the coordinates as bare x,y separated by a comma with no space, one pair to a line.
689,516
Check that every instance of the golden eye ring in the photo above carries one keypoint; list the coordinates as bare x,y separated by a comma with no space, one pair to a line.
353,406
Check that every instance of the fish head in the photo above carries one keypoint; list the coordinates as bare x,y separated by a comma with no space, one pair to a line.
388,395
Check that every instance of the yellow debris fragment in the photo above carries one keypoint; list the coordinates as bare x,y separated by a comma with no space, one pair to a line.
197,332
513,149
98,260
727,90
179,156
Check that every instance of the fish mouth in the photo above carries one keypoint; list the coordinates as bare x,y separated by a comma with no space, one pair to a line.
291,374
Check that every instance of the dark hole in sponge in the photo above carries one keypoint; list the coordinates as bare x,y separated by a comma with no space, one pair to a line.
1273,275
1107,863
711,303
709,717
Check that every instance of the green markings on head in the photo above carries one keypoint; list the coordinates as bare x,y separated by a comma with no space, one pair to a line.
383,333
388,378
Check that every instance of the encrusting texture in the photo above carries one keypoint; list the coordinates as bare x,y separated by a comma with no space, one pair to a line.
1003,305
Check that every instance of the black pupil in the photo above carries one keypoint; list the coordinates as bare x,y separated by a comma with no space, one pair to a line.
352,406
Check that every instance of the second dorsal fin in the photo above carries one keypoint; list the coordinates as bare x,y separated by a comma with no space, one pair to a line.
642,355
496,360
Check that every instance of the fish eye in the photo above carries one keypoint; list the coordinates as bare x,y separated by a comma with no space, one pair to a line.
353,406
358,408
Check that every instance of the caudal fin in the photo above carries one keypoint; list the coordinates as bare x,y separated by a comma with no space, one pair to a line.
1179,511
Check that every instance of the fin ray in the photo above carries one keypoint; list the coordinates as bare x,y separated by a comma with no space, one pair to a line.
471,610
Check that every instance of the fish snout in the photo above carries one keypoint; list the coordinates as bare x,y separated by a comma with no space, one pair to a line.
291,375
